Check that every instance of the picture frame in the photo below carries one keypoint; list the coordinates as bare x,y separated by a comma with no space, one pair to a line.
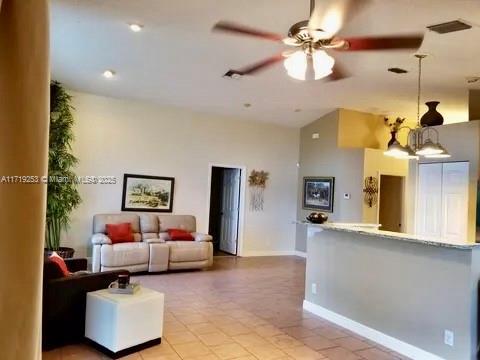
318,193
147,193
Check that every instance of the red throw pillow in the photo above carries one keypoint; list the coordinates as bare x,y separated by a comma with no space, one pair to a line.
120,233
58,260
179,235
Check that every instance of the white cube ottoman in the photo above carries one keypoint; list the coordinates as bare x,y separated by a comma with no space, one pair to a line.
122,324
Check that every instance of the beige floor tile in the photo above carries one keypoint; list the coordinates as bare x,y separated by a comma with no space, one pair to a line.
191,349
80,352
180,337
303,353
284,341
376,354
330,332
202,328
173,356
266,352
191,319
173,326
234,329
352,344
204,357
267,330
229,351
215,338
251,339
318,342
298,332
135,356
339,353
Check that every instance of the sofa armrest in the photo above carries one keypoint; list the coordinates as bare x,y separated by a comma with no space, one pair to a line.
75,265
100,239
202,237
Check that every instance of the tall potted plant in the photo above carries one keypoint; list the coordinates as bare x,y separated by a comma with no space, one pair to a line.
62,192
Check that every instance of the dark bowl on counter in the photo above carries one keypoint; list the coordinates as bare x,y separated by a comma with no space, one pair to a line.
317,217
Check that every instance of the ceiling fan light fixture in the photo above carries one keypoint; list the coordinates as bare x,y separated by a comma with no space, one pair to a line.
297,64
322,63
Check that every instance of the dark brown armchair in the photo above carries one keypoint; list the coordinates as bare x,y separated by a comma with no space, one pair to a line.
64,301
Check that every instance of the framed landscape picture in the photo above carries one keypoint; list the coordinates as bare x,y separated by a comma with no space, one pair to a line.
147,193
318,193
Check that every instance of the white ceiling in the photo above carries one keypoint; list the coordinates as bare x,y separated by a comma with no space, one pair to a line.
176,60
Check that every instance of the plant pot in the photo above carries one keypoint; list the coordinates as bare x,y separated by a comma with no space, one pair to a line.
64,252
393,134
432,117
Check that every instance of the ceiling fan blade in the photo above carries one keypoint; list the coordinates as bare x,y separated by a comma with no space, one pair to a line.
256,67
244,30
328,17
338,72
383,43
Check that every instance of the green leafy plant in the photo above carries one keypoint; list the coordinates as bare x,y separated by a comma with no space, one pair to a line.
62,192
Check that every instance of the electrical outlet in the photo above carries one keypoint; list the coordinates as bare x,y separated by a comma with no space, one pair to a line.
314,288
448,338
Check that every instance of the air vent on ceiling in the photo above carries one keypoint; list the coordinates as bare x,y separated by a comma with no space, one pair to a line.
449,27
398,70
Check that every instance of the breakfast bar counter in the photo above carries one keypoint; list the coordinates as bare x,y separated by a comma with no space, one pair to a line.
415,295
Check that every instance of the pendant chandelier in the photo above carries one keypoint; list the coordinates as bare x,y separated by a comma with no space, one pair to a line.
420,140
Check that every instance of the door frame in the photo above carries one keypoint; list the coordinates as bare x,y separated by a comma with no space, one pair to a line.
241,209
404,190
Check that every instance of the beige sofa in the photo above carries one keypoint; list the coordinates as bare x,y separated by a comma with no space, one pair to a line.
152,250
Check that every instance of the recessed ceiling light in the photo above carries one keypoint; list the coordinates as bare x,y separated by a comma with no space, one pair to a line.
109,74
247,105
136,27
298,110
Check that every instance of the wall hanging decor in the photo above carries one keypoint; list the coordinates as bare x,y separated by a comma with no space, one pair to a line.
371,191
147,193
257,181
318,193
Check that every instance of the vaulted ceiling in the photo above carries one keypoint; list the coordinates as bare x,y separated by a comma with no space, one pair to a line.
177,61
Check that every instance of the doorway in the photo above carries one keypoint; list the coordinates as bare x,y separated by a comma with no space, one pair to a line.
390,205
224,212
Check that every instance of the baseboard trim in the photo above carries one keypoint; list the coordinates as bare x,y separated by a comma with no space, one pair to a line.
302,254
268,253
369,333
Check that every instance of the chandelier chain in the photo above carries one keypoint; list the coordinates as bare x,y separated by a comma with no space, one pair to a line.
419,88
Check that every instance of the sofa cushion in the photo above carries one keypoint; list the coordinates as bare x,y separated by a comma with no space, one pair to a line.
101,220
188,251
59,263
119,233
180,235
184,222
123,254
149,226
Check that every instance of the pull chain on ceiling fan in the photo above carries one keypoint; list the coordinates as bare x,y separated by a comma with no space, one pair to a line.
313,39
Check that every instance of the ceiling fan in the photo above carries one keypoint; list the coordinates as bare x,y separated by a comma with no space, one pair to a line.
313,40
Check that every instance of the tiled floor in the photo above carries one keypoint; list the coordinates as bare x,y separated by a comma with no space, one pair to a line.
243,308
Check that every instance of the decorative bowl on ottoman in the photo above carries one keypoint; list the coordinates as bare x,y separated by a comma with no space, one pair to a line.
317,217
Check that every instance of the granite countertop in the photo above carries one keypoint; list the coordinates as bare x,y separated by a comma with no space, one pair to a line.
372,230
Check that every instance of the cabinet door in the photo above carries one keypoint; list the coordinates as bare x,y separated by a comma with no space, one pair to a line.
429,200
455,201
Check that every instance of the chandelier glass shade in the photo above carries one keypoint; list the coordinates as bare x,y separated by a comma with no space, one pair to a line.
303,66
419,141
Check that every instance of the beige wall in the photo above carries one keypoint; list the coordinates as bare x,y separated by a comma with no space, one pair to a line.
24,114
322,157
361,130
462,141
376,164
114,137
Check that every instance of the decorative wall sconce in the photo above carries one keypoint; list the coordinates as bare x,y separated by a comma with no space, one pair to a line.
371,191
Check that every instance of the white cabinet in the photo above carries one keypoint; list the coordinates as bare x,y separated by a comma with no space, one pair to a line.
442,201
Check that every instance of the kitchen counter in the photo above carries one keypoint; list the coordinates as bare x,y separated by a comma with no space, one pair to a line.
372,230
400,290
